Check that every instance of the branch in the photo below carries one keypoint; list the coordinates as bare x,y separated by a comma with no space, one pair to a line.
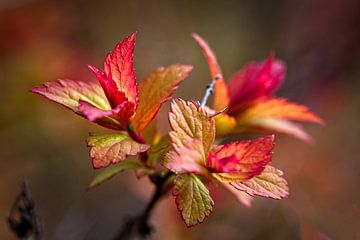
140,225
23,219
209,90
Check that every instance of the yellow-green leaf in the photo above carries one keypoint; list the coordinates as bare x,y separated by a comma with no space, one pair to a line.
111,171
192,198
269,183
189,121
112,148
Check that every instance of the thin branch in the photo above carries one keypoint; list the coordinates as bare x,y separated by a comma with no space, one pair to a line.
209,91
140,225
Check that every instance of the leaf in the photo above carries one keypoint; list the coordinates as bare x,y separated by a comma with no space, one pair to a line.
192,198
189,121
156,89
269,184
241,160
282,126
186,159
122,113
254,81
118,78
112,148
221,98
279,108
70,94
111,171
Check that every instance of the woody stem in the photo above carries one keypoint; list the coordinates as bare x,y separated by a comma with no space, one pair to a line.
140,225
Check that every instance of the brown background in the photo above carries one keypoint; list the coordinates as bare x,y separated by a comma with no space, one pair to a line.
45,144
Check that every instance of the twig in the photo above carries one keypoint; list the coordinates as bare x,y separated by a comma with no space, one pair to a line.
209,90
23,219
140,225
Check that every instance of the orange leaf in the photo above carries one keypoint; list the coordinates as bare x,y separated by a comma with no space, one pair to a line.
189,121
279,108
155,90
221,98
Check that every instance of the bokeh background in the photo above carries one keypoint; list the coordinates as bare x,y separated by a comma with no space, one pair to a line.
45,144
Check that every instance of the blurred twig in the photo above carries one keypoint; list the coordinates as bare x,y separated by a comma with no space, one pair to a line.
139,225
23,219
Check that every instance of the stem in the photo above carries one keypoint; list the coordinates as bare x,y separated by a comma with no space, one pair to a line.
209,90
139,139
140,225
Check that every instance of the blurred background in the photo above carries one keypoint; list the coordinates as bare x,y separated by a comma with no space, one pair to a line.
45,144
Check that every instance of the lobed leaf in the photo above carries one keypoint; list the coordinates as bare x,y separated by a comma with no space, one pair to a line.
221,98
189,121
192,198
269,183
112,148
111,171
156,89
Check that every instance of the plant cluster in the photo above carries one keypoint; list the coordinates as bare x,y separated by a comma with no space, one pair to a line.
192,155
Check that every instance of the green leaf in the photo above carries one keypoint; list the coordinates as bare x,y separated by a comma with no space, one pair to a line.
192,198
112,148
111,171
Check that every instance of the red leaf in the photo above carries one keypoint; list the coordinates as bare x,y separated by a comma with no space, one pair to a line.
254,81
241,160
121,113
118,79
